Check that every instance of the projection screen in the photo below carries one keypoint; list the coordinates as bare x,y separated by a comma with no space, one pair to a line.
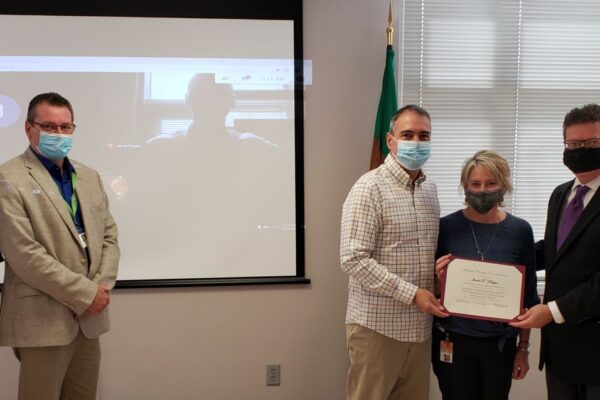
192,124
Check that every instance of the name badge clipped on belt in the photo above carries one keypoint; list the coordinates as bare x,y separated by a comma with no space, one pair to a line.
82,240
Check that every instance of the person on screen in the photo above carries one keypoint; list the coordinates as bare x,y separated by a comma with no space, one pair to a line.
245,162
475,359
389,231
210,103
62,254
570,254
222,189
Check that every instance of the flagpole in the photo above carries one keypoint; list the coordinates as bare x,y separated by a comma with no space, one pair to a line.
388,100
390,29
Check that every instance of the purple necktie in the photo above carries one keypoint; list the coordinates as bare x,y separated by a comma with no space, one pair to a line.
571,214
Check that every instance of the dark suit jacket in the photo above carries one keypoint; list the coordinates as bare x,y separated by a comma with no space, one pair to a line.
572,350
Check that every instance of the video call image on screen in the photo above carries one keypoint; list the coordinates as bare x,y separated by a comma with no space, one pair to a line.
193,135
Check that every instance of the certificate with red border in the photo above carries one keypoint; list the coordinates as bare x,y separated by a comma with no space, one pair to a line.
483,290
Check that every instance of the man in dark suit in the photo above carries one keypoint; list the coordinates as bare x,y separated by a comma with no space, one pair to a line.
570,315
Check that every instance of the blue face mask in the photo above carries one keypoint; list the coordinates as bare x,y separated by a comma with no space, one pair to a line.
54,146
412,155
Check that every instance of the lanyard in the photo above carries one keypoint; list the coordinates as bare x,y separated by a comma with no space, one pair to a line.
73,210
74,204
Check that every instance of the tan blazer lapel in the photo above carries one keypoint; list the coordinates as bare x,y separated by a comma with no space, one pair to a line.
40,174
87,200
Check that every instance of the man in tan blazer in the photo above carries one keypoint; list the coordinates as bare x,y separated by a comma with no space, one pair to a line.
60,244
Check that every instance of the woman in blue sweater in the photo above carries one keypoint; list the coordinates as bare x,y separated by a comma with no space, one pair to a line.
483,355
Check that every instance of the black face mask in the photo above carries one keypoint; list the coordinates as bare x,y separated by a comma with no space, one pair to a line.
482,202
582,160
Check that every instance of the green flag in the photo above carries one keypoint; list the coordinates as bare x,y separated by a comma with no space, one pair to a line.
388,105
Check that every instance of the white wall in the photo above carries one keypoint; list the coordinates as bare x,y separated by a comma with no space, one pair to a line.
214,343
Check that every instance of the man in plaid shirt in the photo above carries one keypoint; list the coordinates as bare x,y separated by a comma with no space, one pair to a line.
388,240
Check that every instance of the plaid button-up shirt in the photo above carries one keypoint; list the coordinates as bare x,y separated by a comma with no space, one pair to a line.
389,235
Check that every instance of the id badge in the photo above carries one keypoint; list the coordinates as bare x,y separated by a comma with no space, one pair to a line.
446,350
82,240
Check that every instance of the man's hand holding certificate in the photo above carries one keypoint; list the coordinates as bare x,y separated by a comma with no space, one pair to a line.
482,290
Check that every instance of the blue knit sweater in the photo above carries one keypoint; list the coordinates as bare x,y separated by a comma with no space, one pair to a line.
512,243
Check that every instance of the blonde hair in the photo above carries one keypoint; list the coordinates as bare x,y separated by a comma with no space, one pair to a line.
491,161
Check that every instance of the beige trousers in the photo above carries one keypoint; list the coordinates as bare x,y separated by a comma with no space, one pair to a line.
60,372
382,368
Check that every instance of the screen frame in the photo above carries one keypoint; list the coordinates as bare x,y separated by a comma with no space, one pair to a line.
234,9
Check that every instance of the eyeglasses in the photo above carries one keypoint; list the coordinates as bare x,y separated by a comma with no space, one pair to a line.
53,128
577,144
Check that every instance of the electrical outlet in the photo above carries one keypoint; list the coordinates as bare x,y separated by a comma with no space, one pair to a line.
273,374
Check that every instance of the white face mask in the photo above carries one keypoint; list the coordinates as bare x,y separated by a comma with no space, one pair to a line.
412,155
54,146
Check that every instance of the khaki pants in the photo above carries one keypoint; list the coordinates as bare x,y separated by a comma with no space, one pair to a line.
60,372
382,368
